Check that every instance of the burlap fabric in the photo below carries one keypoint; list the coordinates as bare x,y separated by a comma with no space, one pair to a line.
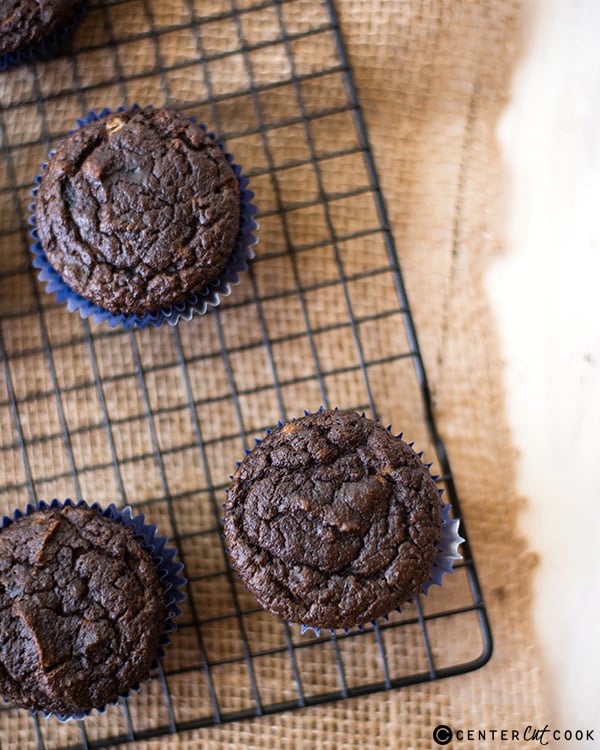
433,78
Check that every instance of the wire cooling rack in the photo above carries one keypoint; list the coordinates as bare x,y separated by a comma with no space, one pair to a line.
158,418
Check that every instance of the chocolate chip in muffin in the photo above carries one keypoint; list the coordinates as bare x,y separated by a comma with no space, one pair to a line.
82,610
138,210
332,521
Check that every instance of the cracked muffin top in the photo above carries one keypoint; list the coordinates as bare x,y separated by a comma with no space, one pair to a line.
82,610
138,210
26,22
332,521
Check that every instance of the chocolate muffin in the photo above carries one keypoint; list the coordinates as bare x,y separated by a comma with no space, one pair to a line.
137,210
25,23
332,521
82,610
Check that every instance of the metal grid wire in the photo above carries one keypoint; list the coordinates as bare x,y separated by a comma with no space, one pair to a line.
157,418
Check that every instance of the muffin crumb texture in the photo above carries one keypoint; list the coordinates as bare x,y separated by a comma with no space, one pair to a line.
332,521
138,210
26,22
81,611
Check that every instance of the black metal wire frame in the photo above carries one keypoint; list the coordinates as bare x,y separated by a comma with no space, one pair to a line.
291,649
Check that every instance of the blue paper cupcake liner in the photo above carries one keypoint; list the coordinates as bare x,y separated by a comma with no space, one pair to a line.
447,552
197,303
45,48
163,556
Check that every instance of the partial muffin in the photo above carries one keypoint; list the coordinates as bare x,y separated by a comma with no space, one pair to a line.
24,24
83,609
139,210
332,521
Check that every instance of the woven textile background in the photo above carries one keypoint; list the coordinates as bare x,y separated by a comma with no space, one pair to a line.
432,78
